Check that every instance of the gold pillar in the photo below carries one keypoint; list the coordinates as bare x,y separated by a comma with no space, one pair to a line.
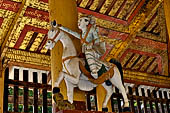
1,87
65,13
167,16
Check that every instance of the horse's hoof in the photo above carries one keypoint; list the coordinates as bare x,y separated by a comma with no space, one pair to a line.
105,109
126,109
56,90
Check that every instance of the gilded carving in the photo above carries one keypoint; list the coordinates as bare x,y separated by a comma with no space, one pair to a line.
145,77
94,5
105,6
28,57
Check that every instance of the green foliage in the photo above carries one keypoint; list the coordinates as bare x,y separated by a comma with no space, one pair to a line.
30,109
135,104
30,93
10,91
49,94
10,107
20,92
39,109
20,108
49,108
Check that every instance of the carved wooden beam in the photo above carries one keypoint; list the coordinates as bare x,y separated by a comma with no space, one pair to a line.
142,78
90,2
28,59
120,8
31,41
136,25
110,7
130,9
139,57
101,3
130,58
43,42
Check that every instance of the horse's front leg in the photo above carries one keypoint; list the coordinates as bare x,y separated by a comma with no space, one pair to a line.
70,90
109,91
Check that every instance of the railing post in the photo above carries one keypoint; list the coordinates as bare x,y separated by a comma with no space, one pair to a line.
144,101
35,80
167,102
162,106
118,100
138,100
131,99
25,79
16,77
44,81
156,101
150,101
6,90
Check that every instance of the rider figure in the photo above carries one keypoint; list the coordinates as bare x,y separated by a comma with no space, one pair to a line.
89,39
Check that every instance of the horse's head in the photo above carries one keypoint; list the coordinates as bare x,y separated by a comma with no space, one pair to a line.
52,35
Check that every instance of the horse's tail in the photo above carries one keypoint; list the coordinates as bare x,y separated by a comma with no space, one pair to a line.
119,66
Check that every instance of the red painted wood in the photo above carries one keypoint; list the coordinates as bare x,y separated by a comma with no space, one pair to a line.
112,34
1,21
138,40
24,32
136,11
35,13
46,1
102,16
150,43
9,5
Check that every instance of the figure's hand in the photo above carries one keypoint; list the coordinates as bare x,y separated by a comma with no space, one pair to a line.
89,46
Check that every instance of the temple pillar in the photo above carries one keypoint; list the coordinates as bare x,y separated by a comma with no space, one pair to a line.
1,87
65,13
167,16
100,93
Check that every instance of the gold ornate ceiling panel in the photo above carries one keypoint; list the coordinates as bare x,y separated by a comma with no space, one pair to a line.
113,17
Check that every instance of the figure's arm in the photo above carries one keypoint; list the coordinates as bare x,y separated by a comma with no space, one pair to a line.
77,35
96,36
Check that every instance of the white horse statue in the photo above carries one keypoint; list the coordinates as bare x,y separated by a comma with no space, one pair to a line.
73,75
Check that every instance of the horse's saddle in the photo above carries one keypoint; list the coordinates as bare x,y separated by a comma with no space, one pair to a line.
103,73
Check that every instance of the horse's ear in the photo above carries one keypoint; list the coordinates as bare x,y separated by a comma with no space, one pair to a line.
54,23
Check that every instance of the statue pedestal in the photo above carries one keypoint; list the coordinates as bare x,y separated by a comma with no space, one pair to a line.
78,111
